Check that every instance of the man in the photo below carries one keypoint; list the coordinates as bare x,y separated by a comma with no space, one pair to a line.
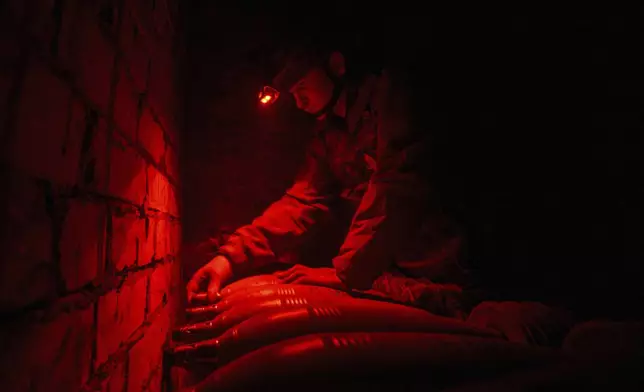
366,152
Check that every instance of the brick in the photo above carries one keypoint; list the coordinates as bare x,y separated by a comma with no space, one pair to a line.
135,53
172,204
82,243
57,353
67,40
161,239
107,13
128,172
120,313
163,97
171,163
40,146
128,235
71,366
117,381
175,238
170,122
27,273
157,190
143,10
162,90
161,281
146,250
146,357
150,136
126,105
89,131
175,300
89,55
161,20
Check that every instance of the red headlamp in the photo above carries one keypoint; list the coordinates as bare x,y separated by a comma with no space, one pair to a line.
294,68
268,96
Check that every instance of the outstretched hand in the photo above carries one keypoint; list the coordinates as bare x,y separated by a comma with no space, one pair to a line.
209,279
300,274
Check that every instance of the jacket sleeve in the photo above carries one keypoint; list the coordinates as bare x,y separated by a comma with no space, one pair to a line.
288,222
392,208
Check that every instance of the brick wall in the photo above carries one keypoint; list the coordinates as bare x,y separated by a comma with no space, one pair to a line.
89,273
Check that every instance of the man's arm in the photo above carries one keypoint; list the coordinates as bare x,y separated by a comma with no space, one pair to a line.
392,208
287,223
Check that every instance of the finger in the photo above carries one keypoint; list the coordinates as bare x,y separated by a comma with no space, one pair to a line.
287,278
285,273
300,280
293,276
189,293
309,281
192,287
213,291
200,298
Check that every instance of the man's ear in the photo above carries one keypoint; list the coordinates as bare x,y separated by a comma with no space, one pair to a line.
336,64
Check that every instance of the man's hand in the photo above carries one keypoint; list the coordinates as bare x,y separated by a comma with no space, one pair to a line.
209,278
299,274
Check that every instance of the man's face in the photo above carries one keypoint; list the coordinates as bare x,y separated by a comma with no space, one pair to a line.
313,91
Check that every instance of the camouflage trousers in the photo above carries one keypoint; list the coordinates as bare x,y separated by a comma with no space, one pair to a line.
440,299
525,322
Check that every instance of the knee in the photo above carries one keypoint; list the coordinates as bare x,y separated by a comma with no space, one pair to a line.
524,322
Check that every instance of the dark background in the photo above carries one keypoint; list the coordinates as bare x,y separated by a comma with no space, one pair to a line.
125,124
536,117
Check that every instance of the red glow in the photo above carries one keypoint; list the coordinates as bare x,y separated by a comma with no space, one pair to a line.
304,346
266,98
